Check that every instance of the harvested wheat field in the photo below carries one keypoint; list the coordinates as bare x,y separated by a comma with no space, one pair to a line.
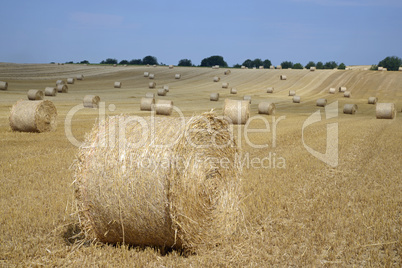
293,206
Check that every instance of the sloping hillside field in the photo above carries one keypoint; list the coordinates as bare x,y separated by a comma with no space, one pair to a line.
318,187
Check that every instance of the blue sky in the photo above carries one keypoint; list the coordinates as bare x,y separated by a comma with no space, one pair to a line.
356,32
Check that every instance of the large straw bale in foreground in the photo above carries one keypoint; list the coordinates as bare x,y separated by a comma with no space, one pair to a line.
266,108
3,85
91,101
131,200
238,111
33,116
35,94
385,111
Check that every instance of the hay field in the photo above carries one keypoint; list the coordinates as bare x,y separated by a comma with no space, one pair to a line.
298,211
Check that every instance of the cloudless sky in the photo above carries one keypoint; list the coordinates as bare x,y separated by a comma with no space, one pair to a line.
356,32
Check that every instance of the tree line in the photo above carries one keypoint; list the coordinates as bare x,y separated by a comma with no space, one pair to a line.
391,63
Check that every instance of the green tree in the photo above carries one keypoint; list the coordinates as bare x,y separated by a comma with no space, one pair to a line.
330,65
135,62
151,60
342,66
297,66
212,61
287,64
257,63
310,64
237,65
109,61
391,63
266,64
123,62
185,62
319,65
84,62
248,63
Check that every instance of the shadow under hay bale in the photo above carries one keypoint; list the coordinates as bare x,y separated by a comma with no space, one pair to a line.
35,94
33,116
266,108
190,207
349,108
385,110
237,111
91,101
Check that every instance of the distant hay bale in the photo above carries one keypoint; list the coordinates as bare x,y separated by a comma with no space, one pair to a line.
154,65
254,68
164,107
279,67
215,67
283,77
161,92
237,111
400,68
372,100
130,201
227,72
332,90
296,99
385,110
70,80
214,97
3,85
166,88
62,88
35,94
292,92
50,91
384,69
342,89
80,77
114,65
91,101
321,102
147,104
150,95
217,78
117,84
33,116
247,98
146,74
60,82
312,68
271,67
177,76
347,94
151,76
170,66
380,68
225,85
266,108
233,91
243,67
349,108
261,67
270,90
152,84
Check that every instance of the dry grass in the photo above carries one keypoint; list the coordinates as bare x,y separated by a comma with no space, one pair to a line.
305,214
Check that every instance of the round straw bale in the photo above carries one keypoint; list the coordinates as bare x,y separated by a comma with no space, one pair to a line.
400,68
217,78
177,76
225,85
214,97
332,90
154,65
385,110
237,111
133,201
151,76
170,66
321,102
114,65
227,72
151,84
91,101
233,91
146,74
62,88
60,82
35,94
164,107
147,104
372,100
33,116
243,67
261,67
166,88
283,77
80,77
271,67
161,92
254,68
312,68
270,90
296,99
150,95
266,108
292,92
349,108
50,91
347,94
117,84
342,89
247,98
279,67
3,85
70,80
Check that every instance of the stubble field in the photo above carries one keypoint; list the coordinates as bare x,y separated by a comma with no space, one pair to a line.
297,210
